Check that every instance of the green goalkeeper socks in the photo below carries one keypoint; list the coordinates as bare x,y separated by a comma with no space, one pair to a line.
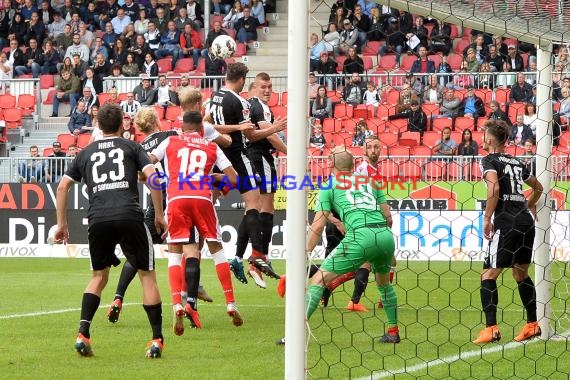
390,302
314,295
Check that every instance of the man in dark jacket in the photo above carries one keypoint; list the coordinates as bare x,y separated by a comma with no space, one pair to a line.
55,168
16,55
417,119
34,60
521,91
471,105
246,27
79,122
326,65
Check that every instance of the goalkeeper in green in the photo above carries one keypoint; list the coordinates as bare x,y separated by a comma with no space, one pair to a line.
366,216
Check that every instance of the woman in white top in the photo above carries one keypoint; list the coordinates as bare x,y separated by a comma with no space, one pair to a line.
233,15
530,117
258,11
141,25
6,71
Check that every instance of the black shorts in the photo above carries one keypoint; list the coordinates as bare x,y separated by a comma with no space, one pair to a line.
133,237
510,246
264,165
247,177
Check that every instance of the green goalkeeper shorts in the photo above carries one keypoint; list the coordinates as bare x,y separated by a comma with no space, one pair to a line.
366,244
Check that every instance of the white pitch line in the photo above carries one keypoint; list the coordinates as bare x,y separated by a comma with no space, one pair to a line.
62,311
446,360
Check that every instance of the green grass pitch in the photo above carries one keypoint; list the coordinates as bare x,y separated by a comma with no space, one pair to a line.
439,316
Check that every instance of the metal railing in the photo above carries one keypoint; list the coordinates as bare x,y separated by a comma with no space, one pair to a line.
17,86
393,168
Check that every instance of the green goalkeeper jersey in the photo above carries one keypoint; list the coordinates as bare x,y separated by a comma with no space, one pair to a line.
357,206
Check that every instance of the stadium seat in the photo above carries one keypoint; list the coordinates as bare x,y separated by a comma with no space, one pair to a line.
454,171
12,117
454,32
481,121
49,98
398,125
431,138
514,109
66,140
466,34
406,61
385,110
231,32
279,111
184,65
27,103
274,99
421,151
7,101
460,46
371,48
475,173
340,63
244,94
241,49
83,140
399,151
440,123
342,110
201,68
387,62
46,81
430,109
411,169
47,152
514,150
436,58
454,61
284,98
103,97
349,124
376,125
164,65
172,113
434,170
462,123
388,139
368,63
485,94
412,136
357,151
502,95
359,112
342,138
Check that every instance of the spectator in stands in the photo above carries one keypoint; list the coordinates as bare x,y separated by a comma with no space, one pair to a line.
150,68
101,68
479,47
405,21
96,133
27,10
173,12
54,168
170,44
353,91
79,66
520,91
75,21
515,59
141,25
530,117
109,38
131,9
361,23
89,98
418,35
353,63
98,48
114,81
496,113
450,105
67,89
57,26
131,68
160,21
120,21
222,6
322,105
467,147
417,119
195,13
317,47
233,15
317,139
348,37
64,40
78,48
66,65
442,69
485,79
129,131
472,62
395,40
119,55
563,59
92,81
143,92
79,122
332,40
258,11
128,35
191,44
361,133
327,67
529,160
440,40
130,106
72,151
86,35
433,91
36,30
15,55
6,71
506,78
246,26
423,64
472,105
313,88
494,59
500,46
214,67
163,95
90,17
405,98
18,29
5,20
33,58
184,83
371,97
66,8
139,50
520,132
50,59
416,85
376,32
338,16
446,146
531,78
32,169
212,34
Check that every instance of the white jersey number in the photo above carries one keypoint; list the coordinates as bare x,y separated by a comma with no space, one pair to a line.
117,155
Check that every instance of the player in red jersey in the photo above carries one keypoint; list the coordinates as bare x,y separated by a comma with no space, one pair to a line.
188,159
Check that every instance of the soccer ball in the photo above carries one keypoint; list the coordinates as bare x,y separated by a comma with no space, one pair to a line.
223,47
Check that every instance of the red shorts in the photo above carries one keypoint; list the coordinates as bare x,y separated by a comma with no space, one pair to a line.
183,214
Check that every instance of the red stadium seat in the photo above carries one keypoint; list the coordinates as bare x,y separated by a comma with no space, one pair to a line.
413,136
454,61
49,98
434,170
399,151
430,109
274,99
502,95
460,46
431,138
371,48
66,140
47,152
172,113
46,81
454,171
406,62
516,108
83,140
368,64
279,111
12,117
27,103
398,125
184,65
164,65
421,150
284,98
342,110
359,112
440,123
387,62
7,101
462,123
388,139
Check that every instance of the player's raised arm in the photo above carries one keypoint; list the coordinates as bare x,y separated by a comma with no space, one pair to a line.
316,230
